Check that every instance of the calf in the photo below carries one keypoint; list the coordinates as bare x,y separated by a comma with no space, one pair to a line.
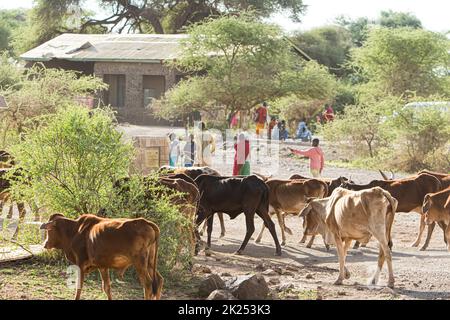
91,243
289,197
354,215
332,184
436,208
234,195
409,192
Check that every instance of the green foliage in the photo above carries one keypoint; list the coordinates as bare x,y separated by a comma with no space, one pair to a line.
403,60
161,16
422,136
358,28
71,160
392,19
244,62
327,45
10,73
362,127
48,19
41,91
10,21
345,95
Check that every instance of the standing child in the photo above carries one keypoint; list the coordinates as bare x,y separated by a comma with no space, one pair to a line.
189,151
174,150
316,158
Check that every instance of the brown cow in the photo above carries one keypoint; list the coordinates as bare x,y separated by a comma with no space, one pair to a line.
409,192
193,173
332,184
354,215
91,243
289,197
436,208
443,177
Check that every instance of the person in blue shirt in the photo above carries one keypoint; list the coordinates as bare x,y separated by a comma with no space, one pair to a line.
303,133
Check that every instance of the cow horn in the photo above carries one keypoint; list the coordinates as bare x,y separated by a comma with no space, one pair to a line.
383,175
47,225
392,175
44,226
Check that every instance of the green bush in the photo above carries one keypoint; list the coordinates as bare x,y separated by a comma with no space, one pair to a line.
422,137
71,159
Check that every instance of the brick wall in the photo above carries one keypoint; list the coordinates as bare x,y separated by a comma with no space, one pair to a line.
134,111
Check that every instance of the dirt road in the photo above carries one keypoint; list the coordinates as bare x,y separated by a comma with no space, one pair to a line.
310,273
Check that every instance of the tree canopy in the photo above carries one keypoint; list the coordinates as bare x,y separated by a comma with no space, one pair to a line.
404,60
328,45
10,21
237,62
359,27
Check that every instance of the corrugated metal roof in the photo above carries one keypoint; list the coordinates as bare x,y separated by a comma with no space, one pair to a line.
108,47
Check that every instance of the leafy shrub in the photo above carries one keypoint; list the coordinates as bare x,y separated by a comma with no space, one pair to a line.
422,138
71,159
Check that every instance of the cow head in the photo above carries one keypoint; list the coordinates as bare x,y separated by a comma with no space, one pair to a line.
311,219
343,182
54,232
429,214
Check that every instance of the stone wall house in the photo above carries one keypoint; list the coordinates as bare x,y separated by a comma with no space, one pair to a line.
133,65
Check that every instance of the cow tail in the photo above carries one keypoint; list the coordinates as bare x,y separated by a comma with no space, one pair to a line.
390,216
155,280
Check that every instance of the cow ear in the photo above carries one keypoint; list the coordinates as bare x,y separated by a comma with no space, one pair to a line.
48,226
309,199
305,211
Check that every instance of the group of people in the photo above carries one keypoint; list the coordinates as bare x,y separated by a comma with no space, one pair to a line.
199,149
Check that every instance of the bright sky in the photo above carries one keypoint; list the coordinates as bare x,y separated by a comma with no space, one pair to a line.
434,14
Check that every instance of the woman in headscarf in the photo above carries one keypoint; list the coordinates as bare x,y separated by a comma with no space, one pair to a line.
241,166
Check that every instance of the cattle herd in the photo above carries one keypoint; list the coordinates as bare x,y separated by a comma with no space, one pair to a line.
337,209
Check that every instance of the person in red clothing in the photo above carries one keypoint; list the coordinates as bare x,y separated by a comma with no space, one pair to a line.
316,158
260,117
328,113
241,166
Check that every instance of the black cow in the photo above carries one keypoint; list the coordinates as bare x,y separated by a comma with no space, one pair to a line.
234,195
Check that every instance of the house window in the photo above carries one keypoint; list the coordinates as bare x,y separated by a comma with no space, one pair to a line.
115,95
153,87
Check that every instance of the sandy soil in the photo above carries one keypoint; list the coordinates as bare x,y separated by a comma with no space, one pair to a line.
310,273
301,273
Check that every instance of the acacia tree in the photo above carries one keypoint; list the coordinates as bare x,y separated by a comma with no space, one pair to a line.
48,19
237,62
404,60
328,45
36,92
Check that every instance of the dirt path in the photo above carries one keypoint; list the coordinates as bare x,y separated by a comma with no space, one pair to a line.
310,273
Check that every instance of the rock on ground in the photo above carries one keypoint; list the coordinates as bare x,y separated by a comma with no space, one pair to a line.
209,284
221,295
252,287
